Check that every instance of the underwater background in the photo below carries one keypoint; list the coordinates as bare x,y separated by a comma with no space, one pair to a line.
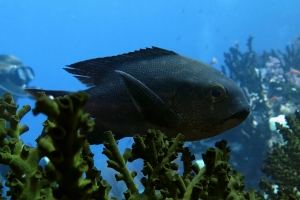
47,35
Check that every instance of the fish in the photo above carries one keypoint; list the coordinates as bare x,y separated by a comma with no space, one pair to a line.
214,60
154,88
236,44
295,71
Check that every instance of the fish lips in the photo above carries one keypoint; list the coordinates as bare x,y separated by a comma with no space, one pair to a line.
236,118
242,114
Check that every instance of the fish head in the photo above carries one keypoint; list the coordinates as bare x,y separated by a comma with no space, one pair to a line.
216,104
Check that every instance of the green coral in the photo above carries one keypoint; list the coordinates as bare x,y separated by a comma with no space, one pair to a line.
71,173
282,163
64,144
24,179
215,181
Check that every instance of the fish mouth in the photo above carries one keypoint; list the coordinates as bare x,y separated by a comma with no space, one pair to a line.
236,118
241,114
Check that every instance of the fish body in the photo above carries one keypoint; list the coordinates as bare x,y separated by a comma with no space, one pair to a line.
158,89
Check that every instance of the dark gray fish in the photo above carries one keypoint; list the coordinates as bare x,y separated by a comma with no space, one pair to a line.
158,89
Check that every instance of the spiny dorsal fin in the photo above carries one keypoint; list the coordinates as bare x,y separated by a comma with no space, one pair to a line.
90,72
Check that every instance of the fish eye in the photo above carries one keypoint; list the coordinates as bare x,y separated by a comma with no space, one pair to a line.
216,93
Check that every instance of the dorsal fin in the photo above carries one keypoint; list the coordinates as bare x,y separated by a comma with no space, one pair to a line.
90,72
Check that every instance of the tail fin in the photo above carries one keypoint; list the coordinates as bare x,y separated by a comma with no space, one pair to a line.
53,93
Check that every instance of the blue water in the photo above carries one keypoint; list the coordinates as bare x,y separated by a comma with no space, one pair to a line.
47,35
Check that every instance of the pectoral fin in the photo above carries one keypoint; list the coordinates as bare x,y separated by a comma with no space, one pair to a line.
149,104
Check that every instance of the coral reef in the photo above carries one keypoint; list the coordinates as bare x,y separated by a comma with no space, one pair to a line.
281,77
71,174
282,163
270,80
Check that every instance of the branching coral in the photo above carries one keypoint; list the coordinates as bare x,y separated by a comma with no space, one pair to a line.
282,164
24,180
71,174
215,181
64,144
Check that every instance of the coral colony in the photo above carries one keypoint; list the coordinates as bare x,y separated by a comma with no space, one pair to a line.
71,174
282,164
